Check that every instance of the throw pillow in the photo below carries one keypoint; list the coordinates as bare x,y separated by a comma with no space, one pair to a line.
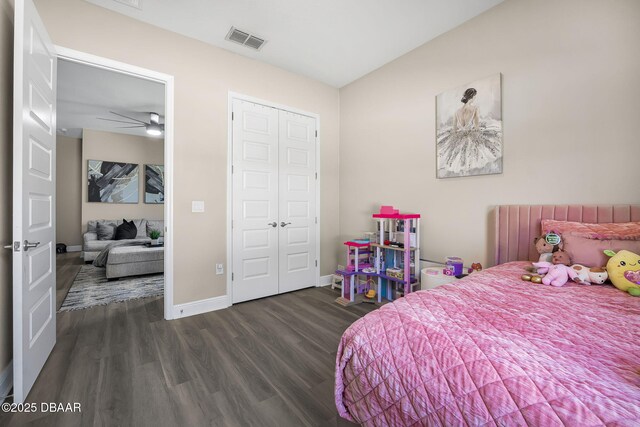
590,252
126,230
105,231
600,231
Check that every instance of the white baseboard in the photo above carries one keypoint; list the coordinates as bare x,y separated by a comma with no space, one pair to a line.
199,307
76,248
325,280
6,380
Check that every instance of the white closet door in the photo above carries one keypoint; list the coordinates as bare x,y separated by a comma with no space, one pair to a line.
255,201
297,200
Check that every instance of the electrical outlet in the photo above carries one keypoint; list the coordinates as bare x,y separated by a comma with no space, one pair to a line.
219,269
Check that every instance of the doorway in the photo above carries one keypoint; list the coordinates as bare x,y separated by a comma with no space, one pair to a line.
109,168
274,199
166,80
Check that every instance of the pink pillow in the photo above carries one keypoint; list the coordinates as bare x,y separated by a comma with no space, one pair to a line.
590,252
618,230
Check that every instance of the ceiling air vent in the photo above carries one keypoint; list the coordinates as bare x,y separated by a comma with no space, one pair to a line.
244,38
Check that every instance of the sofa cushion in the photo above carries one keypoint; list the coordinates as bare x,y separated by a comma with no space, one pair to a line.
155,224
106,231
126,230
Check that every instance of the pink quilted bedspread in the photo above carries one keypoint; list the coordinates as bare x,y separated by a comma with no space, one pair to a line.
494,350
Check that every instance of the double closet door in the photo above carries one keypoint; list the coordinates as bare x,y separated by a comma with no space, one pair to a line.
274,201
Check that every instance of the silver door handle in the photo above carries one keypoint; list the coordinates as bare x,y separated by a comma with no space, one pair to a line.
8,246
26,245
273,224
284,224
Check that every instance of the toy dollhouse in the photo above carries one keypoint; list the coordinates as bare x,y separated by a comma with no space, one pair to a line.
387,265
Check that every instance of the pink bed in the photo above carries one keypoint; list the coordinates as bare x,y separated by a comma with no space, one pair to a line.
493,350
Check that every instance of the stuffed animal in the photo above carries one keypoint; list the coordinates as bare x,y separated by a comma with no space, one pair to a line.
624,271
598,275
546,245
583,274
558,271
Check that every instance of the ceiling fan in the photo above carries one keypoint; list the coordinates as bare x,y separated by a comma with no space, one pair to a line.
153,127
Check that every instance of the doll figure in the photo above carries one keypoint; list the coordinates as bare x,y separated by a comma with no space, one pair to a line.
558,271
544,248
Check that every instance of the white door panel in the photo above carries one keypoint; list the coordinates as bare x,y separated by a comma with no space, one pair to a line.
297,201
255,201
34,158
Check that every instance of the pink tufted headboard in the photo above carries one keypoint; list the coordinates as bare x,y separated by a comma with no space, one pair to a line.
517,225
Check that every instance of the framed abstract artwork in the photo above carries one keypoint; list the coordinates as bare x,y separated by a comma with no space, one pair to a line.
154,183
469,129
112,182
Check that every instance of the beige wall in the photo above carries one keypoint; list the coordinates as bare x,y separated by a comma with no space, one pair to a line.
6,124
118,147
204,75
570,108
69,185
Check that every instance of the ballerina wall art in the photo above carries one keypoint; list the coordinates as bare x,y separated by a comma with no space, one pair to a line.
469,129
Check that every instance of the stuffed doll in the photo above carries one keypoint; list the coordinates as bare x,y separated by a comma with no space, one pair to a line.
557,271
546,245
624,271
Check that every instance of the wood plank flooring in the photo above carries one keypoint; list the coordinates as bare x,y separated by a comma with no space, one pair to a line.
268,362
68,267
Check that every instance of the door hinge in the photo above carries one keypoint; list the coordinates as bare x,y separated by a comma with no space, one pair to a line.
232,116
316,263
231,169
316,175
231,223
316,220
316,133
232,277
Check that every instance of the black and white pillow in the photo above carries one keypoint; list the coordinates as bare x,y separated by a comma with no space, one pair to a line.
126,230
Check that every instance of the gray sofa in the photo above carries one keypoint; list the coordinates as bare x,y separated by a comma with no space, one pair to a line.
92,246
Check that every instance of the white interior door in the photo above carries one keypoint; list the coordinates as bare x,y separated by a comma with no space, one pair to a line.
34,159
255,201
297,200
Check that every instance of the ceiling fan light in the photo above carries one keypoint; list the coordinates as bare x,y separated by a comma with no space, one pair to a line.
153,129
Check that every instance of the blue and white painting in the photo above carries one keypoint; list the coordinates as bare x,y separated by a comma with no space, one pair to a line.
469,129
112,182
154,183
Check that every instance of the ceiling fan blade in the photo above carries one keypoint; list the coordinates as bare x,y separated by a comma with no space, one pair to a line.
127,117
112,120
131,127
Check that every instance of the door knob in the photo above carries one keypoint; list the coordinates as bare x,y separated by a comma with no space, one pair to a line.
28,245
273,224
284,224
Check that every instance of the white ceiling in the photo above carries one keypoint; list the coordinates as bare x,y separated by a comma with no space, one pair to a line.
86,93
334,41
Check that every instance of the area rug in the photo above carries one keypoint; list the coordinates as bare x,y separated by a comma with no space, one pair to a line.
91,288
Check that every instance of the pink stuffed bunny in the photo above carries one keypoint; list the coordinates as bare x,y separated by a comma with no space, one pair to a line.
559,272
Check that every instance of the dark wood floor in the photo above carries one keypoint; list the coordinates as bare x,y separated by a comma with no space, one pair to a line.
268,362
68,267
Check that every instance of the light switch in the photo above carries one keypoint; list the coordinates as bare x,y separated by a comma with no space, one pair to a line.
219,269
197,206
